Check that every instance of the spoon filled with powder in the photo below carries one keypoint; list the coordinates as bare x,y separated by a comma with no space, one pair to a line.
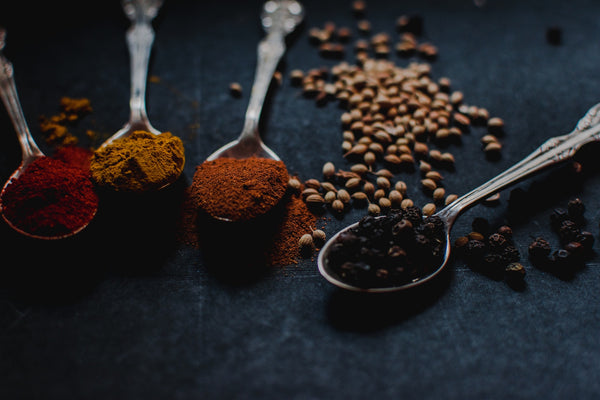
138,157
45,198
246,166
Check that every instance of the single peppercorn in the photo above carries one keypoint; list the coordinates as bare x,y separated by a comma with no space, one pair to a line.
474,251
514,272
568,231
557,217
497,242
539,250
506,231
576,209
586,239
510,254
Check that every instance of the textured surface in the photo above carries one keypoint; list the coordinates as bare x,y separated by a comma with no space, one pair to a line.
123,312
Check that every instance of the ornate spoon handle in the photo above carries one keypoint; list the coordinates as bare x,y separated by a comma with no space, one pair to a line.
140,38
552,151
8,92
279,18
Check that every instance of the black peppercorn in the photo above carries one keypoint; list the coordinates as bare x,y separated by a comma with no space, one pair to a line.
586,239
510,254
514,272
557,217
439,226
568,231
576,209
506,231
539,249
561,258
576,249
497,242
474,251
414,215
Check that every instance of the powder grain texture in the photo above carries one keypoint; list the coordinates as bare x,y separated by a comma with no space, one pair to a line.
239,189
139,162
50,198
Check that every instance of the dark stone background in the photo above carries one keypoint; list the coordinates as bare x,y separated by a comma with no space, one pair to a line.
123,311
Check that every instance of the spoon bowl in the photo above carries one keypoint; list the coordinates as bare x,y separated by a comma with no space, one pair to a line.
278,18
30,150
552,151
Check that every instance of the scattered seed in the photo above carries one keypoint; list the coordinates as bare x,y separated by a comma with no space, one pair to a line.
406,203
306,241
314,199
451,198
330,197
374,209
235,89
312,183
294,184
429,209
438,194
319,236
343,195
296,77
337,205
428,184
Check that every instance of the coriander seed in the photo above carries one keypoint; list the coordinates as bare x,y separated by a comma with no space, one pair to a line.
319,237
294,184
374,209
429,209
306,241
235,89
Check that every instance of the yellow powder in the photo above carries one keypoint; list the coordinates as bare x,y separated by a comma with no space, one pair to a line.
139,162
55,127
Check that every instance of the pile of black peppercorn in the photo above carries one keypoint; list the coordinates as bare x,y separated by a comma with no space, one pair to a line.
390,250
575,242
491,252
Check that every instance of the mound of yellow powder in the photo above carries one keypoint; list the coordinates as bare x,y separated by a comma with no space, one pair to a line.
139,162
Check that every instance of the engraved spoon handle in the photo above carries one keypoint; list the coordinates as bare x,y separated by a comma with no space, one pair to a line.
552,151
10,98
140,37
279,18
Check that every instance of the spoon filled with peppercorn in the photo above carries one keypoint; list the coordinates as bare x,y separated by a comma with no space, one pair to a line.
237,161
403,250
44,198
139,157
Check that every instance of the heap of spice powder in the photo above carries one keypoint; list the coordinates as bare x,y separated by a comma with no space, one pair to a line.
50,199
291,220
139,162
239,189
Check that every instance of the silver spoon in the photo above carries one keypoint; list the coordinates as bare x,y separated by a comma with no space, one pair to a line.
552,151
279,18
30,150
140,38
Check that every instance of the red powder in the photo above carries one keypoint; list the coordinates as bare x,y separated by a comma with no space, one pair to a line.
50,198
78,157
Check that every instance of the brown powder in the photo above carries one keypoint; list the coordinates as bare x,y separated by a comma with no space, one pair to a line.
239,189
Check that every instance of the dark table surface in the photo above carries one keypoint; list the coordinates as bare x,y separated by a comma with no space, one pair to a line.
123,311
